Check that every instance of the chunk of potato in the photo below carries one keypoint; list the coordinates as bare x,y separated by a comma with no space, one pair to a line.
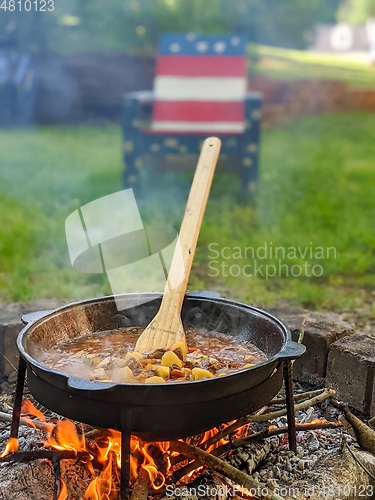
104,363
79,353
170,358
182,346
121,374
119,362
155,380
200,373
98,374
96,360
135,355
249,365
149,367
162,371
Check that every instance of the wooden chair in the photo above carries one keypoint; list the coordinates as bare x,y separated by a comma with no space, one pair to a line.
200,89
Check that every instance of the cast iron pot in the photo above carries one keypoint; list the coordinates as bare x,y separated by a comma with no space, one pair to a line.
157,411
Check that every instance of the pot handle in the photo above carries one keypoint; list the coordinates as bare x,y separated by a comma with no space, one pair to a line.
34,316
291,350
82,384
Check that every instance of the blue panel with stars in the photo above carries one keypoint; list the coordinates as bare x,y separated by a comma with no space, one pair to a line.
209,45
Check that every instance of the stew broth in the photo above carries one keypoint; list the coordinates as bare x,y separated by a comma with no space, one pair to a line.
110,357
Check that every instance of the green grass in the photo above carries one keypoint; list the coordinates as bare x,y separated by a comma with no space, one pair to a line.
286,64
317,188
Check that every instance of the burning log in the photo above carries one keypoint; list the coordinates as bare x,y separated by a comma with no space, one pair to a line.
142,486
42,426
26,456
224,468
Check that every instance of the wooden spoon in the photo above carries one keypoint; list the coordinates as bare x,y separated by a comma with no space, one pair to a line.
166,328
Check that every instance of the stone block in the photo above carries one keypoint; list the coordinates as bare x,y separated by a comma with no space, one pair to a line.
351,371
11,325
321,330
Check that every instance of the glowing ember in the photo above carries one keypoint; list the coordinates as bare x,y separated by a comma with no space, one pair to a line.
244,492
317,421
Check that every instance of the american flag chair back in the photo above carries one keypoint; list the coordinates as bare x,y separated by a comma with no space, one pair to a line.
200,89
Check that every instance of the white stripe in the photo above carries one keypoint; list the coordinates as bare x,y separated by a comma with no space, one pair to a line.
174,88
226,127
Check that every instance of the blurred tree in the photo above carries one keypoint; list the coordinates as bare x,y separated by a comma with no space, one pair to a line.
356,11
280,23
134,25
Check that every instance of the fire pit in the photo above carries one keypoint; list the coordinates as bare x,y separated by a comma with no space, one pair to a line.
163,411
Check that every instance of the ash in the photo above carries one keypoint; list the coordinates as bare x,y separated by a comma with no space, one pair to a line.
283,467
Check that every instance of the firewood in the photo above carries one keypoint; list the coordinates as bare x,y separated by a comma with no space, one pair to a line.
297,397
257,436
327,393
27,456
364,434
217,465
142,486
43,426
257,451
5,417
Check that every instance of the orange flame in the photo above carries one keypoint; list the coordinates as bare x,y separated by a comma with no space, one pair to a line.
63,435
11,446
242,431
102,486
106,451
64,491
195,470
29,408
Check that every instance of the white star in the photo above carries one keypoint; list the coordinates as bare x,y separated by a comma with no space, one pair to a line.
235,41
190,37
219,47
202,46
175,47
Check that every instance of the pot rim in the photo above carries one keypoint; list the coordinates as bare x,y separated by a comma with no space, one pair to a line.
289,351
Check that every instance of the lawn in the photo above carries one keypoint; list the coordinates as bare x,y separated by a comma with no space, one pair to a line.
317,190
287,64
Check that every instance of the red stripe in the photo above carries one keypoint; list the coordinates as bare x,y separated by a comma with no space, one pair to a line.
201,66
199,111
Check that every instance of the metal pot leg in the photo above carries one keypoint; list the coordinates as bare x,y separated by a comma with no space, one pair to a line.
290,406
18,398
126,426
